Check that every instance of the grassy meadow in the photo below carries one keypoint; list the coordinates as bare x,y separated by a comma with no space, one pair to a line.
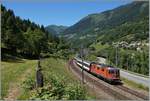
20,77
14,72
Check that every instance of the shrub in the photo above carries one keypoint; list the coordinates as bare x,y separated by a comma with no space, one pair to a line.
29,83
57,89
75,92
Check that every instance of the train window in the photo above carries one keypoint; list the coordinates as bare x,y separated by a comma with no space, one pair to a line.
98,68
117,72
111,71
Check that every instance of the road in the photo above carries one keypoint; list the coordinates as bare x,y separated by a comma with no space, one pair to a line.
130,76
135,78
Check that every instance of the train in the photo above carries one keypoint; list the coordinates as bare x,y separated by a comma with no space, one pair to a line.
103,71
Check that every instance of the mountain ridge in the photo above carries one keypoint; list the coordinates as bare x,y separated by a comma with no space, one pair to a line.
99,19
55,29
94,25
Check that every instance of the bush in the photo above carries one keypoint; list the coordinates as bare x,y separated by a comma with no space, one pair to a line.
75,92
29,84
57,89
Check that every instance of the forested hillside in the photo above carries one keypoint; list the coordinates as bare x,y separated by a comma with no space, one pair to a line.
23,42
25,38
39,62
128,22
55,29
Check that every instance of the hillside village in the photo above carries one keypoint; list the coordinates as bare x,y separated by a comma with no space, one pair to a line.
135,45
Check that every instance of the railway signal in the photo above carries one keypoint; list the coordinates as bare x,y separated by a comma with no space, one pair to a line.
116,55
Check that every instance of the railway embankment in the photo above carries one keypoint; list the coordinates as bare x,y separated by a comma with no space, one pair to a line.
107,90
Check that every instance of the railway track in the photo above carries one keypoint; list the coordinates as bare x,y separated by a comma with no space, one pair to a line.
99,85
133,92
119,92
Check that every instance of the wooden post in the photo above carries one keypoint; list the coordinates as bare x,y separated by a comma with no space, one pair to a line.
39,76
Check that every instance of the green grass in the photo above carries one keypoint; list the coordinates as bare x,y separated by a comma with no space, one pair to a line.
25,94
98,46
11,72
58,67
50,67
134,85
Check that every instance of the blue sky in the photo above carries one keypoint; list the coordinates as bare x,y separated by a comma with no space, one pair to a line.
60,13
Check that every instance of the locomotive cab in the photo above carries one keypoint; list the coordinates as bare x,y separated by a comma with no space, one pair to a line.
114,74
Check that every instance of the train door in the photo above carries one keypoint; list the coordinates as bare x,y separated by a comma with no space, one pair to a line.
107,73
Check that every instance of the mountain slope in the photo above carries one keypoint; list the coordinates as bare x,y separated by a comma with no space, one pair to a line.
55,29
95,25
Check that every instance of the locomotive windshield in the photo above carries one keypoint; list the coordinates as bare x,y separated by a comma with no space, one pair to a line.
111,71
114,71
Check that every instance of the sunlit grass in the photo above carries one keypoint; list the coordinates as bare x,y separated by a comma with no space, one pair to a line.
57,66
51,67
134,85
98,46
11,72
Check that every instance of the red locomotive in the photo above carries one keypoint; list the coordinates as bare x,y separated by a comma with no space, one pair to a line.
104,71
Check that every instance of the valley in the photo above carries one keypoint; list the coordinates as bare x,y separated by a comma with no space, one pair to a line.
43,60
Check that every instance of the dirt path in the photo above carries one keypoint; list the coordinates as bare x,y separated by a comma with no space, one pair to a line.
15,88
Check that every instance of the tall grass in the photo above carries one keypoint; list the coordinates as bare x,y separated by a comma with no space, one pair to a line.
11,73
133,84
